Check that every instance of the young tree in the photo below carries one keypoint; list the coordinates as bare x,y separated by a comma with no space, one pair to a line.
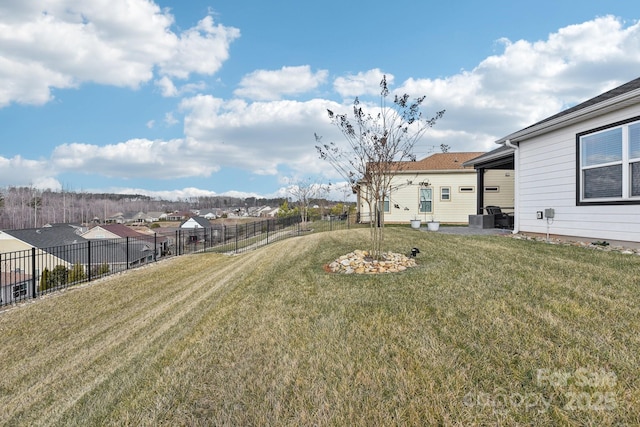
377,148
303,191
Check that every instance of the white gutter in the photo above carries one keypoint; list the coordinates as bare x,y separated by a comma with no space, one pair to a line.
516,185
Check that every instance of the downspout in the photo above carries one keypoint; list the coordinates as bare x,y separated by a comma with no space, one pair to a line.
516,185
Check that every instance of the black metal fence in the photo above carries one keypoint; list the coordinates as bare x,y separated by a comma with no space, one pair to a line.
30,273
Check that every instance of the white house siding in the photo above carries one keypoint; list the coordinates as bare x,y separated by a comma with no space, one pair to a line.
547,179
191,223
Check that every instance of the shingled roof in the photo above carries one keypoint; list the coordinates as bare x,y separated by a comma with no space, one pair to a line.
122,230
441,162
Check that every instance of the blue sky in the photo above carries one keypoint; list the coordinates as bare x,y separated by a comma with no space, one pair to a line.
185,98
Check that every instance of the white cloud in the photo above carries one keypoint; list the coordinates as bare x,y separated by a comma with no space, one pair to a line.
184,193
167,88
63,43
526,81
259,136
201,49
169,119
177,158
367,83
265,85
151,124
529,81
24,172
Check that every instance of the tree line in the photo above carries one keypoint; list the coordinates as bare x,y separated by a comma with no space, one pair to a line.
28,207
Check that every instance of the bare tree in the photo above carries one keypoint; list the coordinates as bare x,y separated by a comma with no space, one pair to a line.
378,146
302,192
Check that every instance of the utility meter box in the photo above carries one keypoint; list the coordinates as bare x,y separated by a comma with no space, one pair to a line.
549,213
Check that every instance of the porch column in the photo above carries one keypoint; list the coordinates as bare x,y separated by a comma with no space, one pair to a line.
480,185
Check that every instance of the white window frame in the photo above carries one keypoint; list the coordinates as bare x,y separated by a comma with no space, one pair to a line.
625,162
448,194
426,200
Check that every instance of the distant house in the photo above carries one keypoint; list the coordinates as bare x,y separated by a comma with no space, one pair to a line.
439,187
178,216
119,231
196,222
116,218
62,246
270,212
208,213
156,216
112,231
577,173
15,286
44,242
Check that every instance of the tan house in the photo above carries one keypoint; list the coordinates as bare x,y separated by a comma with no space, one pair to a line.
440,188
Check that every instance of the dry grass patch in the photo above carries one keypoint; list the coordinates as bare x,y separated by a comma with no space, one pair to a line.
269,337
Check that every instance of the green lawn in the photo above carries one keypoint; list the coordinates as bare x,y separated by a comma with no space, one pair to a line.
486,330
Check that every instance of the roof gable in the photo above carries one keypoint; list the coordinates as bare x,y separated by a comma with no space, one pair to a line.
201,221
119,230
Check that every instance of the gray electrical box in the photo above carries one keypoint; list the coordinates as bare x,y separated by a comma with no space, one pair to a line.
549,213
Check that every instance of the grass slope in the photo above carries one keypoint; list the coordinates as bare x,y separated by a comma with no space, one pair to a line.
485,331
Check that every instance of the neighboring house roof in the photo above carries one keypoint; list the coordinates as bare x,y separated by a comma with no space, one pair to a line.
201,221
611,100
78,227
157,214
13,278
109,251
440,162
119,230
47,237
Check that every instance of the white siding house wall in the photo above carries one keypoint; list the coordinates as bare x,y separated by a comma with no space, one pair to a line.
547,179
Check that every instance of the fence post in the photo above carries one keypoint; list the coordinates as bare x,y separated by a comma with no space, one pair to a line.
155,247
89,260
236,251
33,272
127,252
267,232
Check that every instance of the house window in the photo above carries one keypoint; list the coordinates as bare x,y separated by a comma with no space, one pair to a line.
425,200
466,189
609,164
19,290
492,189
445,194
384,206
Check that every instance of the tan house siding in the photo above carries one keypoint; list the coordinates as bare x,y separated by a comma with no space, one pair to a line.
21,262
442,170
504,181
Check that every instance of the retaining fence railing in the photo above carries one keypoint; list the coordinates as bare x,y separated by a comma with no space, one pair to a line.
30,273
